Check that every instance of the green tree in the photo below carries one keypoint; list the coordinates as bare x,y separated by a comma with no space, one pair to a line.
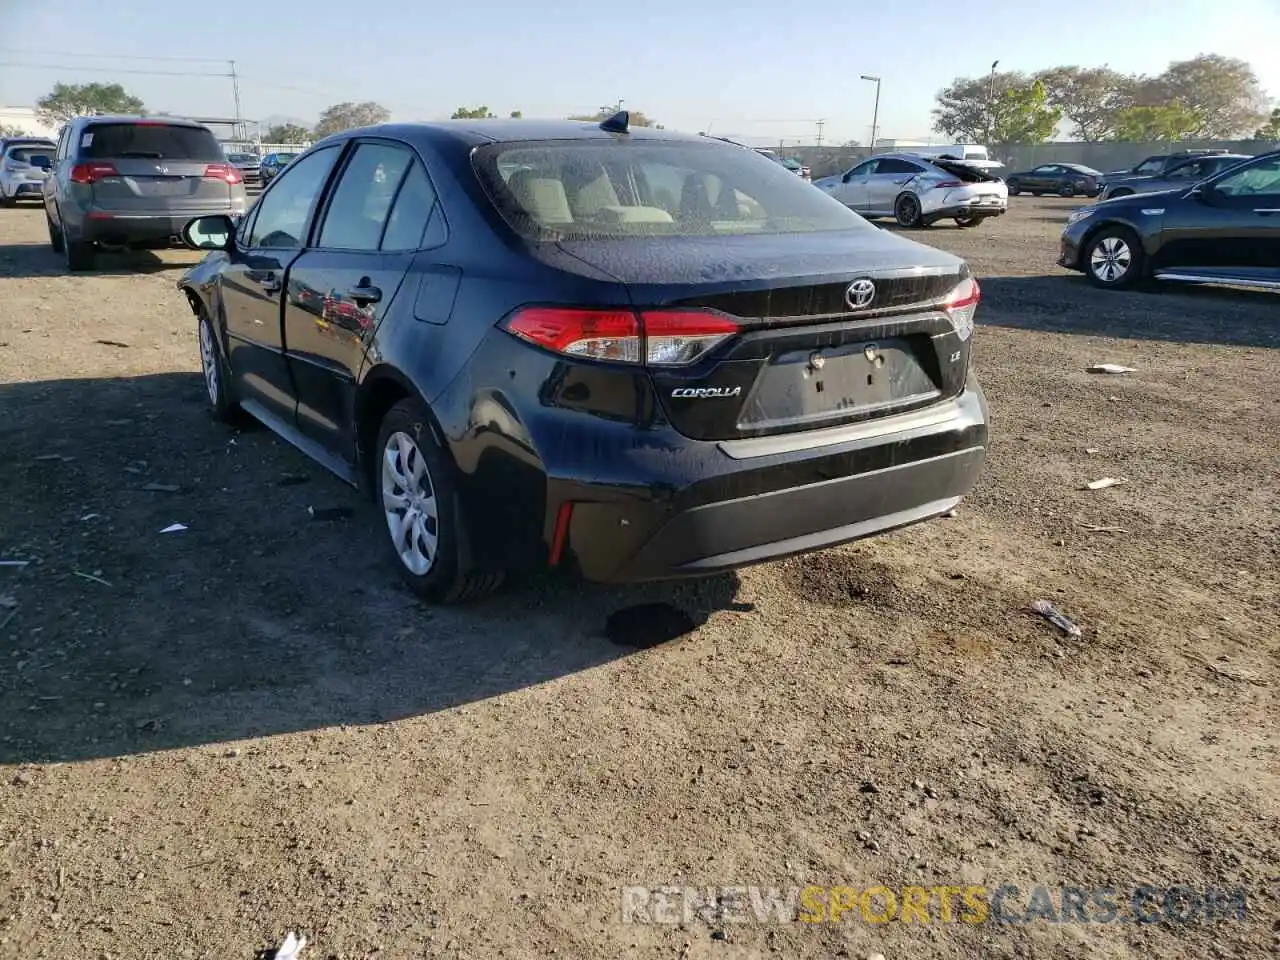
637,119
345,116
1271,129
473,113
964,109
517,114
1169,121
287,133
1091,98
1223,93
1023,115
67,100
7,130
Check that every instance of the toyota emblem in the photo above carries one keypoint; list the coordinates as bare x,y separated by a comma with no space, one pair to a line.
860,294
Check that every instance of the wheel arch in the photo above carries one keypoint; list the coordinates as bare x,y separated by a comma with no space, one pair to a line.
381,387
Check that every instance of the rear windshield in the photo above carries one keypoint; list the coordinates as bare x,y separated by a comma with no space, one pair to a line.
150,141
604,188
28,154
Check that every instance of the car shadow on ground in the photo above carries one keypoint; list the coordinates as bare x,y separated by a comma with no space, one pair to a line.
39,260
274,611
1186,314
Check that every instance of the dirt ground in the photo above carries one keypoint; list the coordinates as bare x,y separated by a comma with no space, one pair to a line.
209,738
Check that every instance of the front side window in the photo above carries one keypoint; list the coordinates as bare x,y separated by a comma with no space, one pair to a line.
865,169
1149,167
1260,179
600,188
283,211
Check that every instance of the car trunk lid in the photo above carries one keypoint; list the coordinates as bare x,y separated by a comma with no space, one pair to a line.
811,349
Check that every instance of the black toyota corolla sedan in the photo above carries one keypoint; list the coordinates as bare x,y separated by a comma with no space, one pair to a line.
633,353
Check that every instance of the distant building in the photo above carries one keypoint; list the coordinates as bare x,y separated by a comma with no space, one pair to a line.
25,120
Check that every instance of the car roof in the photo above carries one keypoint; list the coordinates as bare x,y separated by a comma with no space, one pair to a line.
478,132
170,121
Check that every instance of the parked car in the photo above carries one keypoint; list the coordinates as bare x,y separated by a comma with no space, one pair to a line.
460,337
1222,230
250,168
273,163
1159,164
792,164
127,181
24,165
1179,175
1064,179
918,192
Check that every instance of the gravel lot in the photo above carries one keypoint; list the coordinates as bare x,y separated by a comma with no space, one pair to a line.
212,737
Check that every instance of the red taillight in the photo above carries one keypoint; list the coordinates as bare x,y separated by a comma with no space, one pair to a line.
222,171
948,184
653,337
92,172
961,305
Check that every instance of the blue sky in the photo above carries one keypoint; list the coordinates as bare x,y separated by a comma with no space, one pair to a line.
751,68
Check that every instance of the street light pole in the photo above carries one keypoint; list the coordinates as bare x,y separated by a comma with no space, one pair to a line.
991,103
875,113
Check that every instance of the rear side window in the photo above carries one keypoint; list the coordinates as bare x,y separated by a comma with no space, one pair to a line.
891,165
605,188
152,141
413,209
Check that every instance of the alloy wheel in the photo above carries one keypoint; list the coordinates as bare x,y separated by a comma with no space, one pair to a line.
409,503
209,361
1110,259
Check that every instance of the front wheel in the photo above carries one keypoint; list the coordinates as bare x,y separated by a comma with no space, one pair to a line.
907,210
426,526
1015,188
1113,258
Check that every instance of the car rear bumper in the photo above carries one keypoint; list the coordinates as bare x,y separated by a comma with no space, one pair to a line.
19,189
759,500
122,227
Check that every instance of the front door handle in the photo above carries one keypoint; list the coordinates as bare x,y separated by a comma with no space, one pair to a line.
1267,212
269,282
364,292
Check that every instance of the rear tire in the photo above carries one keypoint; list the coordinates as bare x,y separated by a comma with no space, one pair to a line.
967,222
77,253
906,210
426,527
1113,259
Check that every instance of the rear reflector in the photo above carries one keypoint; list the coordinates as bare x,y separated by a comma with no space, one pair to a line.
561,534
92,172
652,337
222,171
961,305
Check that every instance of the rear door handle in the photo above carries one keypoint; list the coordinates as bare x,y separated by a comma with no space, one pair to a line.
365,293
269,282
1267,212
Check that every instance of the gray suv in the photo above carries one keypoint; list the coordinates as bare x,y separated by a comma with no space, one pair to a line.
128,181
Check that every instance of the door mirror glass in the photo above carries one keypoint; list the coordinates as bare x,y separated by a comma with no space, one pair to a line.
209,233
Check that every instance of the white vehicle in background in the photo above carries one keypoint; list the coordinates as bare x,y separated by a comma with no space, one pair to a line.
918,192
24,165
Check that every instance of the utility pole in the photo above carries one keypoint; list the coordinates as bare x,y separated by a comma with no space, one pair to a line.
235,89
820,123
991,103
875,113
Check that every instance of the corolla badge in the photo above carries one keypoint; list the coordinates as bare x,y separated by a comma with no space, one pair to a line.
860,294
702,393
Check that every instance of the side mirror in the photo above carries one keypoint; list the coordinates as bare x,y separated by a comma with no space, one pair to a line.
847,175
215,232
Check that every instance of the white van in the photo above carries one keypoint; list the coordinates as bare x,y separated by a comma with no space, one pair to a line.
974,154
